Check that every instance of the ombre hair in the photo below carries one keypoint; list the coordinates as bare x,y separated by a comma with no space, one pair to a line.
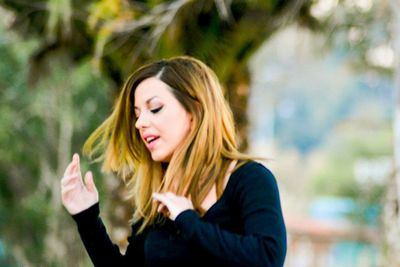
198,163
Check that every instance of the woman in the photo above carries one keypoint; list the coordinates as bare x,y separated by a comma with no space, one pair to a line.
197,199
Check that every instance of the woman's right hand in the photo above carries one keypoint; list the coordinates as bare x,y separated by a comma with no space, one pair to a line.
77,196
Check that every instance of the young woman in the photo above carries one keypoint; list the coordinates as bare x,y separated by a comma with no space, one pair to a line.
198,201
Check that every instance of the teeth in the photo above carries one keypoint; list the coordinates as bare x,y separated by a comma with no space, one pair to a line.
149,139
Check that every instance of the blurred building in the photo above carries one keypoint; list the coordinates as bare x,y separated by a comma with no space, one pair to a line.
327,238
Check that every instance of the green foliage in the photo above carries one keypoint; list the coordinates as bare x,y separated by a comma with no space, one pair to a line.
336,176
29,120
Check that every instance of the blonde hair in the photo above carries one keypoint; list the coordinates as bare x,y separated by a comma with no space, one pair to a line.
199,162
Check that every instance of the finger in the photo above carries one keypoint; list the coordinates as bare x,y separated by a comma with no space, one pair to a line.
160,207
170,195
162,198
68,188
78,164
163,210
73,171
74,178
68,170
89,182
75,157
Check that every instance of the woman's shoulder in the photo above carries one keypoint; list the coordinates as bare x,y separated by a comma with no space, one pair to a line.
252,168
253,174
254,184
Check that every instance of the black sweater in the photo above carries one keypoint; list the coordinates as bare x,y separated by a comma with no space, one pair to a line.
244,227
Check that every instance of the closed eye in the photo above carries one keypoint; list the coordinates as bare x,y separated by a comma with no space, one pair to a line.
156,110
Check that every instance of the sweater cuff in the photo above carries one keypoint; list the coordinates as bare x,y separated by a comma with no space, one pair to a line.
186,222
87,216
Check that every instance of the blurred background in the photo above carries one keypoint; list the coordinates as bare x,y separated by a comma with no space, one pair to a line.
314,86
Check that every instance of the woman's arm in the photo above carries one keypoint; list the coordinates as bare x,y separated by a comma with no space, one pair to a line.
100,248
263,242
82,201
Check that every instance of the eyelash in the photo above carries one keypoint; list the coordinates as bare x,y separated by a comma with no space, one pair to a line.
156,110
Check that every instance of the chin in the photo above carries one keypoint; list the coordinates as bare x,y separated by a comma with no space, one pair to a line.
160,158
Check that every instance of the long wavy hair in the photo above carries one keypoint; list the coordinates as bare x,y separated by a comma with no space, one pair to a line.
199,162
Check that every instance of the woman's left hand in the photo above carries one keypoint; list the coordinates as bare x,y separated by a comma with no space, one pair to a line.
172,205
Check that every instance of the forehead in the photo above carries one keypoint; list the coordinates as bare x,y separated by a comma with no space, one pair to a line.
149,88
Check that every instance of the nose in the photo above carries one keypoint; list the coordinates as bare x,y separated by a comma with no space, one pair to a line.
141,122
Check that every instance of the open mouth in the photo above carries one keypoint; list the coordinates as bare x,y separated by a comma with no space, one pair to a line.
151,139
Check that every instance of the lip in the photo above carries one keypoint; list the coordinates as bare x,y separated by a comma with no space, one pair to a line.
145,136
151,145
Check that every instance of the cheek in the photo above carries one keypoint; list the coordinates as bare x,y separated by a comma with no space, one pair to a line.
180,128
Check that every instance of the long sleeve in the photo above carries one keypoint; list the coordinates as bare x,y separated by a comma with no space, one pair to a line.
263,242
100,248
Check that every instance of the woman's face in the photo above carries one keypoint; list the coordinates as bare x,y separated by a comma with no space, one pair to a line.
162,121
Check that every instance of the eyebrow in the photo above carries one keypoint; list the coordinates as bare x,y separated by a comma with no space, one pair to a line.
147,101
